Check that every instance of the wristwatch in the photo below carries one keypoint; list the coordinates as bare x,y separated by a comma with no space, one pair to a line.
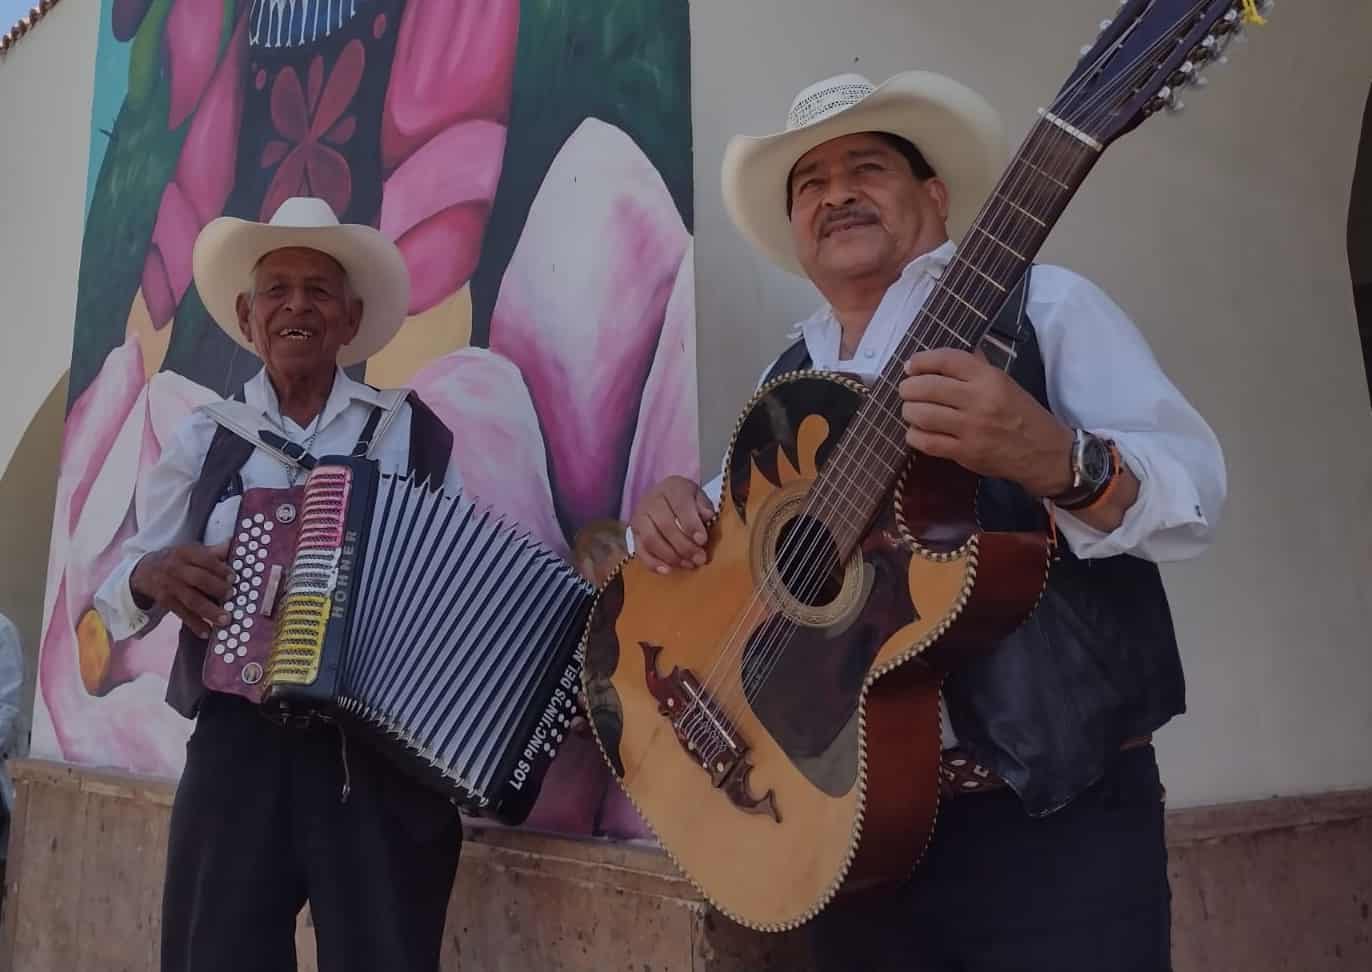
1094,464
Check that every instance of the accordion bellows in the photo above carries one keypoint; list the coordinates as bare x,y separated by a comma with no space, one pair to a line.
453,637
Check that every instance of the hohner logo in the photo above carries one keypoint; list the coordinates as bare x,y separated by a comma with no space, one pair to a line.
344,576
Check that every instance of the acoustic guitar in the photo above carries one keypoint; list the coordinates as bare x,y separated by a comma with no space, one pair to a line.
774,714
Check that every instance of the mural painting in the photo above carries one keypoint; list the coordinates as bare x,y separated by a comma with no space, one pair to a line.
532,160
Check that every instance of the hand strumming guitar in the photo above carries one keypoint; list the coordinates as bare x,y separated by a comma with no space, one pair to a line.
191,581
669,525
959,406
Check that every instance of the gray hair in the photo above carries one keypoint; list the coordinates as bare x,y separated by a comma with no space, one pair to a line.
250,291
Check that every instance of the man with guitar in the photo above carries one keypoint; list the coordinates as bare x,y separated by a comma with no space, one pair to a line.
1048,853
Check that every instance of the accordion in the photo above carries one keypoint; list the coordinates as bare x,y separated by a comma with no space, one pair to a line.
451,638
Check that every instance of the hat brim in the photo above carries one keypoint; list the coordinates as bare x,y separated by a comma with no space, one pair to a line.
954,128
228,249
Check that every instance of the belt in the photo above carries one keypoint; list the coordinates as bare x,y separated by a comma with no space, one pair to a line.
961,775
292,719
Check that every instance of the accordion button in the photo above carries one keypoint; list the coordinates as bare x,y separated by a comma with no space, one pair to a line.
238,565
229,657
246,523
257,582
256,532
219,649
247,622
258,567
240,550
259,518
269,525
222,634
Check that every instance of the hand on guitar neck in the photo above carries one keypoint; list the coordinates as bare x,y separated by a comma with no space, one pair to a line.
959,406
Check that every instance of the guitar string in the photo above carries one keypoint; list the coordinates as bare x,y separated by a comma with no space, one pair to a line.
1041,190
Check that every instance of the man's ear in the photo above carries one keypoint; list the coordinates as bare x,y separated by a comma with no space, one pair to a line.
243,307
938,191
354,320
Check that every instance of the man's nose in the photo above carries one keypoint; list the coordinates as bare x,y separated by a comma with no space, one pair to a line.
839,192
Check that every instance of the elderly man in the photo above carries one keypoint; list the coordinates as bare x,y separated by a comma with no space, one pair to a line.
1048,851
270,814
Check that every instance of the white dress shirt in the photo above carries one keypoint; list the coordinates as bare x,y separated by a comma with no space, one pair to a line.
1101,376
169,483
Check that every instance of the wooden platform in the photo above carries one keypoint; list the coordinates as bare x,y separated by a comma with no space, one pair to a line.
1276,886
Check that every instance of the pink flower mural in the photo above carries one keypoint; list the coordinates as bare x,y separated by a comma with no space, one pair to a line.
574,392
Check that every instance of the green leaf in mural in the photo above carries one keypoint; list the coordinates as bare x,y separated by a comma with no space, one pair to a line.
137,167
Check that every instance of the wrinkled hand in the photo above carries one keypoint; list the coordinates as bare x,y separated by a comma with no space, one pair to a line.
959,406
669,525
191,581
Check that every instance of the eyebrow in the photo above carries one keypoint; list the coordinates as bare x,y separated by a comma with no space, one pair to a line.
853,155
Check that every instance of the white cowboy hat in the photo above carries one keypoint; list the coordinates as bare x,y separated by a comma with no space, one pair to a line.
955,129
227,250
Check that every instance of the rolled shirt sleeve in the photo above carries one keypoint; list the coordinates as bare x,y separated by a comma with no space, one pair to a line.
1102,377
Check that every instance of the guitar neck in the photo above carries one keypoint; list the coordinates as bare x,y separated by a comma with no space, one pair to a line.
1031,196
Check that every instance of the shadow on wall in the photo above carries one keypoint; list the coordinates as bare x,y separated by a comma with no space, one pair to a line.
28,489
1360,240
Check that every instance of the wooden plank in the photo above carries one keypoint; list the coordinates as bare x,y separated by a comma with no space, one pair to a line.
47,888
121,886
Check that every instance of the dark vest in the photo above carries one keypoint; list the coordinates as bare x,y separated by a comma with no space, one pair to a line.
1097,663
431,446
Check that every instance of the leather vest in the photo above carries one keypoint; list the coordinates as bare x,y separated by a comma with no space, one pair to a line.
431,445
1097,663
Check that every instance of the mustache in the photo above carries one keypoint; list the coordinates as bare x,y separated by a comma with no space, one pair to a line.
847,216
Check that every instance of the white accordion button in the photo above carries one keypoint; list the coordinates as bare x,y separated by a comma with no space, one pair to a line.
246,523
219,649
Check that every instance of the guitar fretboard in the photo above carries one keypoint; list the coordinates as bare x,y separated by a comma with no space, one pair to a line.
991,258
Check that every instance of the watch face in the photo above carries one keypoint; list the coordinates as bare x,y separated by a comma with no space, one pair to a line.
1095,460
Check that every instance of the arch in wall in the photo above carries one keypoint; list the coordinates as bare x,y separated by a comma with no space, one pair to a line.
1360,239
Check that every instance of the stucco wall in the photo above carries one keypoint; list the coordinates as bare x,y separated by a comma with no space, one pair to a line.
1221,230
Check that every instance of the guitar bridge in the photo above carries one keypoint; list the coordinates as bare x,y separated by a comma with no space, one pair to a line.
706,734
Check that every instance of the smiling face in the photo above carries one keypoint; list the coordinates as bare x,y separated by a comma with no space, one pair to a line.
299,313
859,213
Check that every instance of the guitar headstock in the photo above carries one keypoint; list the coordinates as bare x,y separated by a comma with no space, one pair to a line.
1144,57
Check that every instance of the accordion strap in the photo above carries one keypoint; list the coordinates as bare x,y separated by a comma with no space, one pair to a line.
239,419
379,421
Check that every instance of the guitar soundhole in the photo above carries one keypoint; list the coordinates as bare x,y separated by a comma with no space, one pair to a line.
807,562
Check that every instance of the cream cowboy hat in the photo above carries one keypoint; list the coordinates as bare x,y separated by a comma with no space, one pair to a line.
227,250
953,127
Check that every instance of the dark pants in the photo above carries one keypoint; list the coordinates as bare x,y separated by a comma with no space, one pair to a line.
259,827
1081,890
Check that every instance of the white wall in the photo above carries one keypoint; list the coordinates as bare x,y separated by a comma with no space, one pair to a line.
45,101
1221,230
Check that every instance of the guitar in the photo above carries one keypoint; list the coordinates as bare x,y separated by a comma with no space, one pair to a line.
774,715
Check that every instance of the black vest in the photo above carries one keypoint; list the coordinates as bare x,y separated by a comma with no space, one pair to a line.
1097,663
431,446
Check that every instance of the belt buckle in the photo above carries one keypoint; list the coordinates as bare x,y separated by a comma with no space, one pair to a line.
286,718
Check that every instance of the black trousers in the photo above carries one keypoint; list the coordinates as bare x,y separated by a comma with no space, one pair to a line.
1082,890
259,826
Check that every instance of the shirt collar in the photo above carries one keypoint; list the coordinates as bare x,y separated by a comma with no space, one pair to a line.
931,263
259,393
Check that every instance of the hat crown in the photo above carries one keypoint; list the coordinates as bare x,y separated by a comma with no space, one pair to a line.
825,98
304,212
